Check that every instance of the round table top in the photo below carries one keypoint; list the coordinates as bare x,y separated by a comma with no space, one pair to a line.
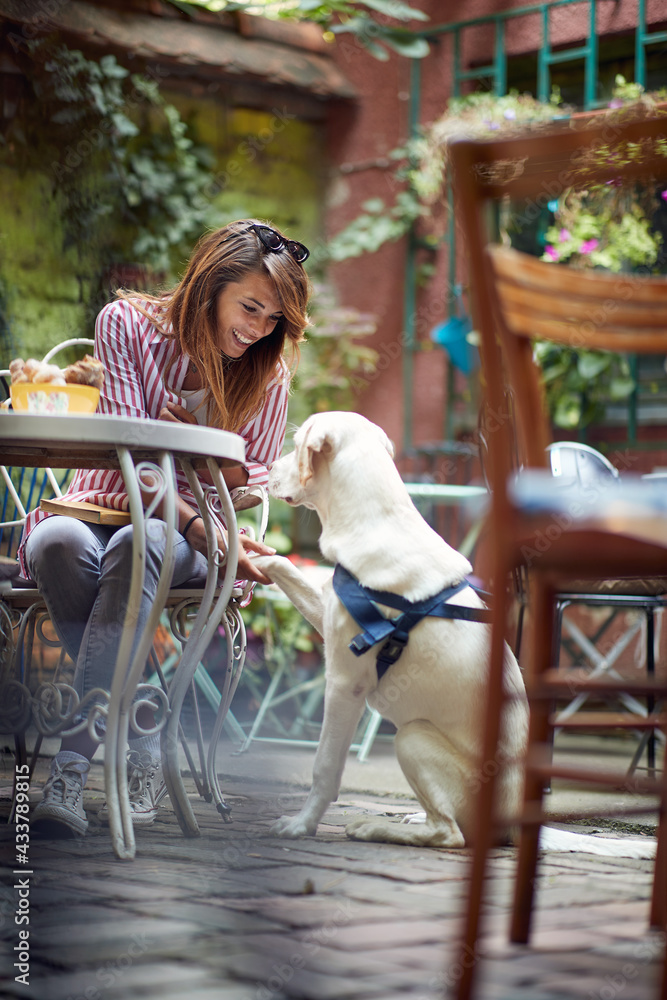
78,441
444,492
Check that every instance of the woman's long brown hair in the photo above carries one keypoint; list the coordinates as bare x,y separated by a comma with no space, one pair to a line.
236,391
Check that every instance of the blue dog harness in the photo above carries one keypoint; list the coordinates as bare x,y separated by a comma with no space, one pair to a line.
361,602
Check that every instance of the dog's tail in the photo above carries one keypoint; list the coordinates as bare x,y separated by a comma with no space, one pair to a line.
565,840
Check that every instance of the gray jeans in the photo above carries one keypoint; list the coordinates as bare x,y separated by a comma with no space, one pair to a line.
83,573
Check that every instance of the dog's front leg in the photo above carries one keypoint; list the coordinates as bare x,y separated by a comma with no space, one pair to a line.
306,598
344,703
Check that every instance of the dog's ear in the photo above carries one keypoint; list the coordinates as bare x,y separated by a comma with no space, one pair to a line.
316,439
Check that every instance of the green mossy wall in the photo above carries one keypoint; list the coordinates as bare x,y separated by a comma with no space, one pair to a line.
268,164
43,302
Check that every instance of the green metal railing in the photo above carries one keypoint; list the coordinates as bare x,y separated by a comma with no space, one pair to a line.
497,73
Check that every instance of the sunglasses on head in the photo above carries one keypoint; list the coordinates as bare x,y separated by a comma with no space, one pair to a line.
274,243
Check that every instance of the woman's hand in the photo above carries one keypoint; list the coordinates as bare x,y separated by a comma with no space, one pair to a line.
247,570
235,476
177,414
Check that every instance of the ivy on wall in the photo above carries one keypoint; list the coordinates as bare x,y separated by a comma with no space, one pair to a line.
128,179
609,228
365,20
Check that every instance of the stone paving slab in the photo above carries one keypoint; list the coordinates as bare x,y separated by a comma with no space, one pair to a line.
237,914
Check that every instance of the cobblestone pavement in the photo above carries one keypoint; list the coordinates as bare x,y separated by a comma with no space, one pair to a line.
236,914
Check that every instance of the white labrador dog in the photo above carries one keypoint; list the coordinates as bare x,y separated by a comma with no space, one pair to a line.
342,467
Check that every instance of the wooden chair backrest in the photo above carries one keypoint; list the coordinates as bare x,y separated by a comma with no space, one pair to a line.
518,298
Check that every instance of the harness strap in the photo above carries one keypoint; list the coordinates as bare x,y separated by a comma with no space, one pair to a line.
361,603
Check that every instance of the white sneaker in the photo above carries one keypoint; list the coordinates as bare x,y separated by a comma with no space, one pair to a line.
146,787
244,497
61,812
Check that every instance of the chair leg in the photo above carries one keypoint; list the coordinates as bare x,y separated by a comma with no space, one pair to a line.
484,820
202,790
659,896
650,670
561,607
541,650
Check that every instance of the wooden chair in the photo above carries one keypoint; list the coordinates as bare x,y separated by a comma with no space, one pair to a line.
517,298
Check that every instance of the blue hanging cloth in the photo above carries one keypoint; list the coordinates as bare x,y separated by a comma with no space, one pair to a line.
452,334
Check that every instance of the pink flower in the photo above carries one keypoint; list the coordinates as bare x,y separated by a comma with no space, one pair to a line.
588,246
551,252
664,195
564,235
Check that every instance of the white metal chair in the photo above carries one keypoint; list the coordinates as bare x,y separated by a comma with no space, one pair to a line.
22,610
23,620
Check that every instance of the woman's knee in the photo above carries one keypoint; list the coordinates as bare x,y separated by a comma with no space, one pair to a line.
59,542
120,550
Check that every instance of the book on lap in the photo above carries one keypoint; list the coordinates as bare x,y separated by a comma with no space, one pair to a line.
85,511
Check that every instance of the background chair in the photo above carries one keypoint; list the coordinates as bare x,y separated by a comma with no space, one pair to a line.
630,604
621,533
21,605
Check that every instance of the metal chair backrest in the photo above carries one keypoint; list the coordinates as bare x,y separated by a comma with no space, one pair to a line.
23,489
580,464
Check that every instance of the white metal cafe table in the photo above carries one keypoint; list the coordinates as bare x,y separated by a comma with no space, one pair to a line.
148,449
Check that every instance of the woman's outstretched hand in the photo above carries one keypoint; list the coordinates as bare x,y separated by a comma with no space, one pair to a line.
247,545
247,569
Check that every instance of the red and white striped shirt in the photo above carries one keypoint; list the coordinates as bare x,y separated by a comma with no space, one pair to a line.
145,371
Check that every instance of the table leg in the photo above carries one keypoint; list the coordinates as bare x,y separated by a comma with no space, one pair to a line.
236,652
206,622
127,675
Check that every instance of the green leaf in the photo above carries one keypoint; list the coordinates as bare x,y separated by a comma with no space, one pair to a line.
405,43
621,387
377,51
112,69
590,364
552,372
278,540
396,9
123,125
374,205
568,411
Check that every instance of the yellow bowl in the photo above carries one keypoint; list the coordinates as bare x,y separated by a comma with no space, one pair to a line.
42,397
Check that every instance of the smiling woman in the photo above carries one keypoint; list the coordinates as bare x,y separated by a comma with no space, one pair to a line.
247,311
218,349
